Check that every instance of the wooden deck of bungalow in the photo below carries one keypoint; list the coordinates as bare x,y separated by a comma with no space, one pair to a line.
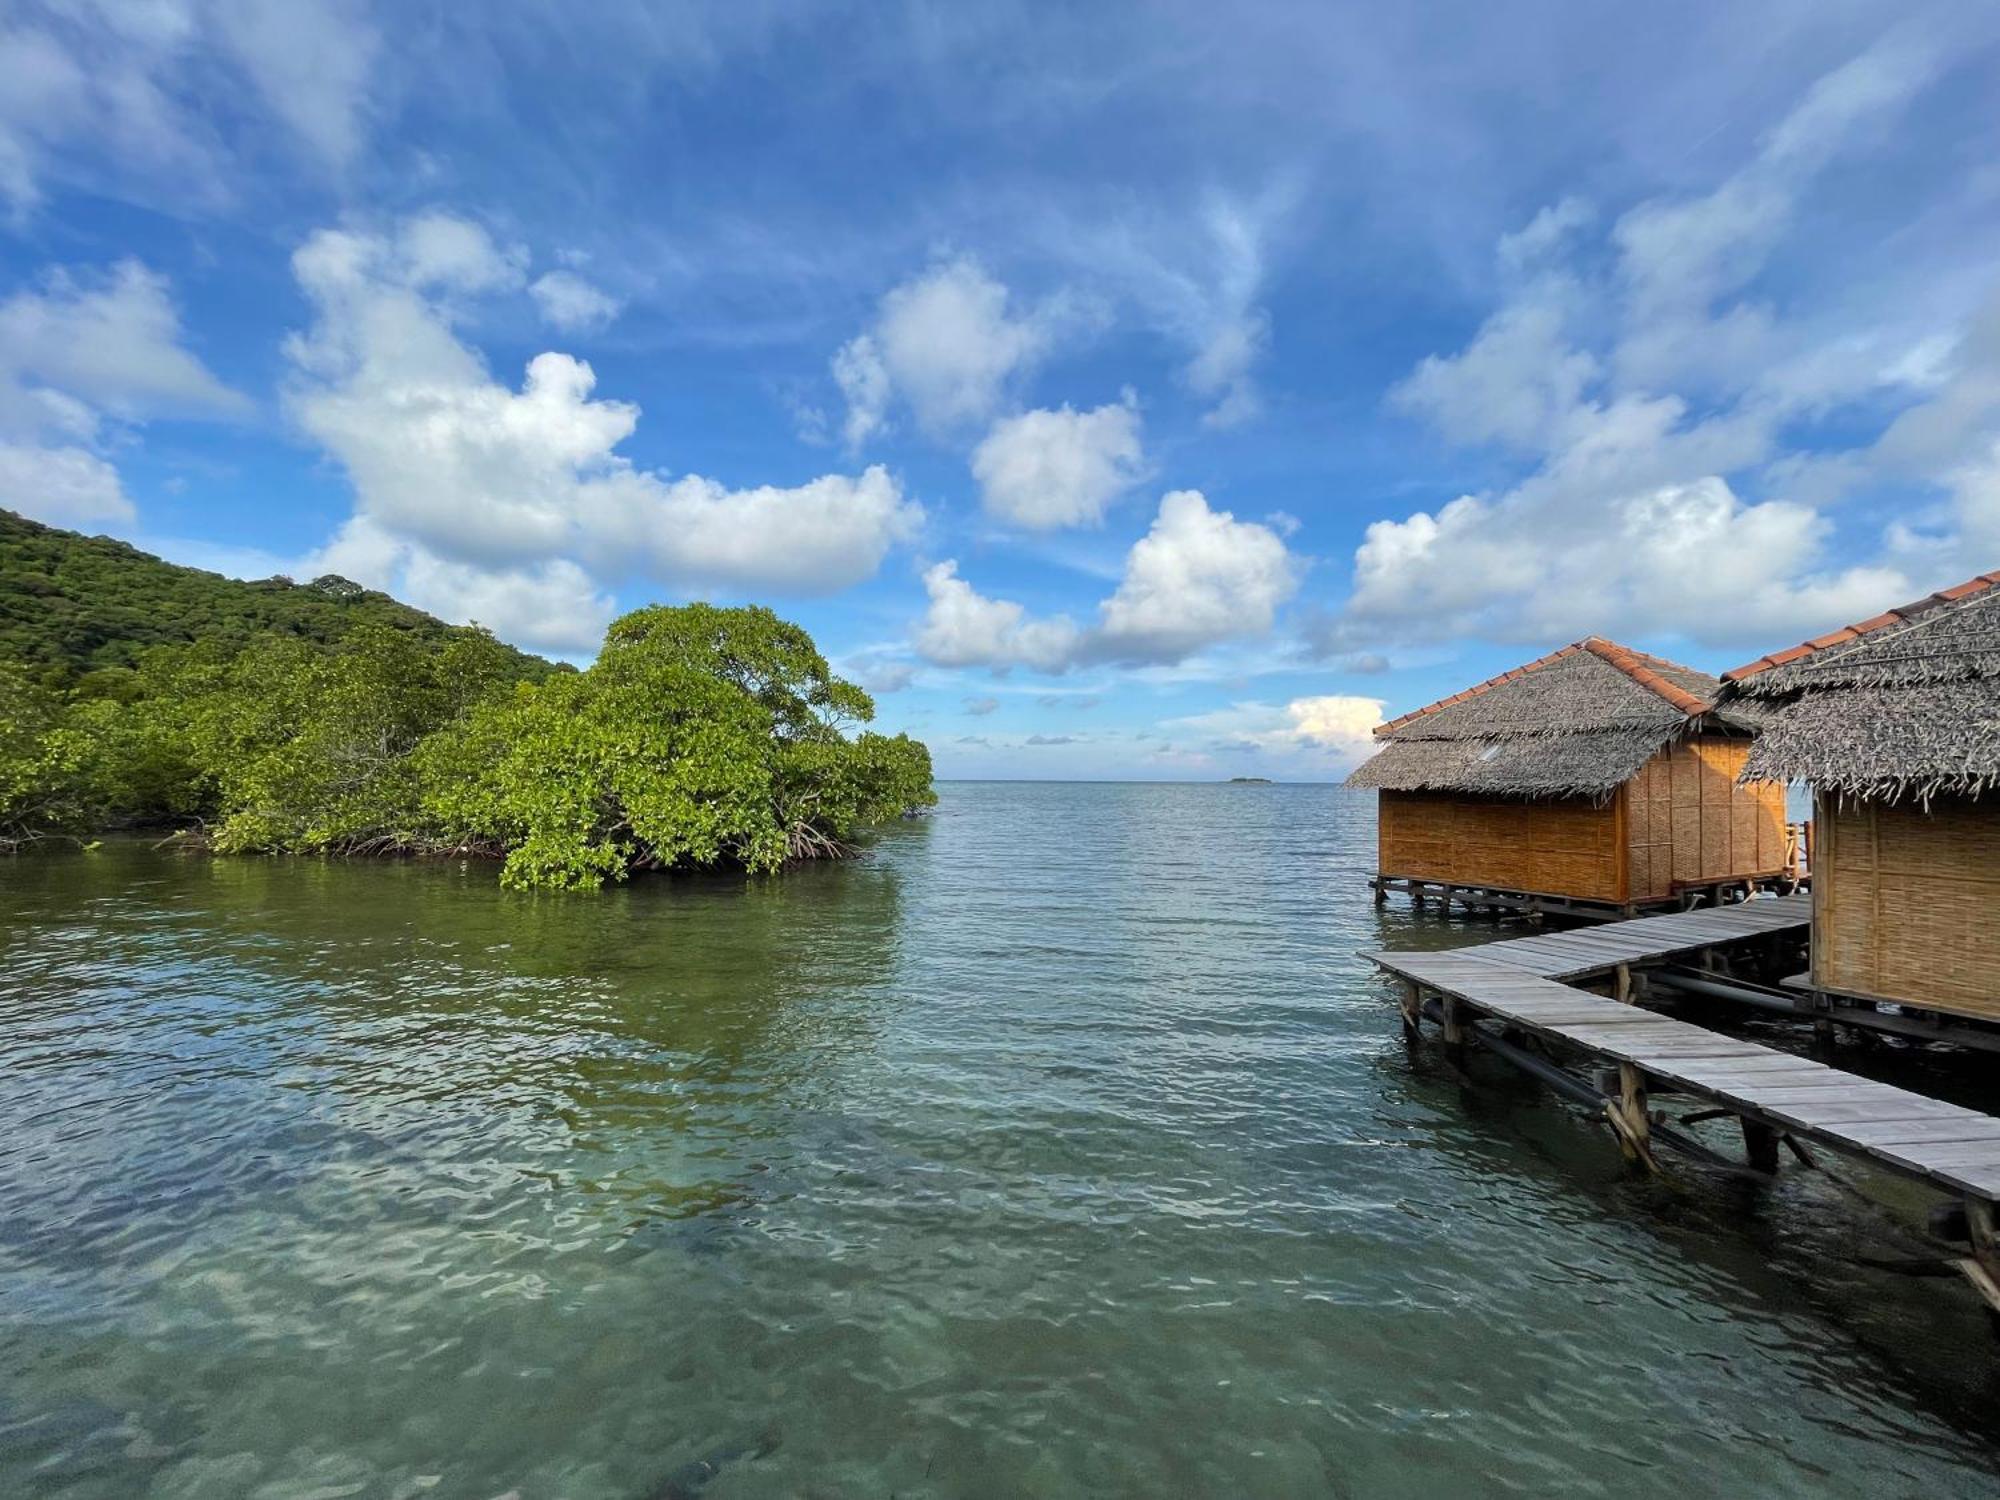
1500,995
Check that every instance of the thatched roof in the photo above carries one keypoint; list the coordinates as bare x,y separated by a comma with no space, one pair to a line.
1905,704
1579,722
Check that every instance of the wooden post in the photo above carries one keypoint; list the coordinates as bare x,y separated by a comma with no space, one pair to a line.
1412,1003
1621,984
1982,1269
1381,891
1454,1029
1760,1145
1628,1117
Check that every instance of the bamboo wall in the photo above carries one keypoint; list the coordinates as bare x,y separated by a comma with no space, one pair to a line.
1689,822
1681,820
1904,902
1565,847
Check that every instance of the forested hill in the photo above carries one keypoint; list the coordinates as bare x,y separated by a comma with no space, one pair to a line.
70,604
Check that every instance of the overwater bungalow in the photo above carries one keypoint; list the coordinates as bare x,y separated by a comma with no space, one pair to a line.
1895,722
1595,780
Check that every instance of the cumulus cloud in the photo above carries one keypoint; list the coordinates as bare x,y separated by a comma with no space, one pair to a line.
980,707
946,343
963,628
84,358
551,605
476,471
1688,559
1047,469
1198,578
570,304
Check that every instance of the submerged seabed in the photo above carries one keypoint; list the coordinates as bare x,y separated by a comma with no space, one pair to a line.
1059,1147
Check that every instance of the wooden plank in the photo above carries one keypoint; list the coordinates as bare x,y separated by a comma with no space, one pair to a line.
1514,982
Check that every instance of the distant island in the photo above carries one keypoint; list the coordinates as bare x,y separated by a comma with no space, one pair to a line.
1249,781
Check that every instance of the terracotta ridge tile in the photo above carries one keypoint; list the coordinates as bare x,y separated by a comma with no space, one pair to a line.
1898,616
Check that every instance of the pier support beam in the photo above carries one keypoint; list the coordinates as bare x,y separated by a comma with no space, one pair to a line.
1982,1269
1760,1145
1629,1119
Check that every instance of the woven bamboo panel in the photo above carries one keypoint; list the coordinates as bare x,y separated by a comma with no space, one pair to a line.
1905,901
1558,848
1691,822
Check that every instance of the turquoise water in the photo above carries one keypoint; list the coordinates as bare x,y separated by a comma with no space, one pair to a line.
1058,1147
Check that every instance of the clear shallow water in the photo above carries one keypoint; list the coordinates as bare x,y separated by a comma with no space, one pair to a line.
1059,1147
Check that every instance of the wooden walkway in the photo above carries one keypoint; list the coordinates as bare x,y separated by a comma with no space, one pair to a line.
1591,951
1773,1093
1956,1149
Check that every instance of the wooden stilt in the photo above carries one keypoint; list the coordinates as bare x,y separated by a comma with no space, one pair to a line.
1621,984
1412,1003
1628,1116
1760,1145
1982,1268
1454,1029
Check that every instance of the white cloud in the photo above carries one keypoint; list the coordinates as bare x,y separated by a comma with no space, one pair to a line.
1314,735
112,340
1195,275
1524,251
1198,578
864,382
552,605
473,470
310,60
1046,469
79,353
569,304
1516,383
1630,523
947,342
63,486
1679,257
1687,559
120,96
963,628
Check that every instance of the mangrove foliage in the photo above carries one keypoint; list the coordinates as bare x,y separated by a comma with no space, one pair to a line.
701,737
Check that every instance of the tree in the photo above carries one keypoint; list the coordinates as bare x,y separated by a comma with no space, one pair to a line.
702,736
47,785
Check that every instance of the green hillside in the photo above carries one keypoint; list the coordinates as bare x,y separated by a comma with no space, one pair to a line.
70,604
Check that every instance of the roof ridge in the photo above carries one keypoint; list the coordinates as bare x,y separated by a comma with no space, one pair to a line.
1634,664
1638,666
1901,615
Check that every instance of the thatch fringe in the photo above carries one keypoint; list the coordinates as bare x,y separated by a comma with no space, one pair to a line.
1908,709
1580,722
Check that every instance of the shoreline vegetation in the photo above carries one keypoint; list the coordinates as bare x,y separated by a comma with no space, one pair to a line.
326,719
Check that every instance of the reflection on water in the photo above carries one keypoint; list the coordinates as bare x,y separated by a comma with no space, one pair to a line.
1059,1147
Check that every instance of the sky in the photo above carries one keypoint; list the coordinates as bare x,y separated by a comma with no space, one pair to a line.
1155,392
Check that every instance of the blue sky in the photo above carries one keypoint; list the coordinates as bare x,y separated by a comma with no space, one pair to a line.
1149,392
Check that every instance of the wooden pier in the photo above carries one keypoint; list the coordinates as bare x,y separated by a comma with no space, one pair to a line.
1516,987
